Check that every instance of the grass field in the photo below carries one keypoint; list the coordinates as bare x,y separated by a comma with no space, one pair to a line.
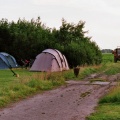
29,83
13,88
107,57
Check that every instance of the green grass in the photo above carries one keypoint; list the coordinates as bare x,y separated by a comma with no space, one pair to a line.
106,112
107,57
110,68
87,71
28,83
112,97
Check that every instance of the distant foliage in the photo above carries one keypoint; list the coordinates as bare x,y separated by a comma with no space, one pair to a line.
25,39
106,51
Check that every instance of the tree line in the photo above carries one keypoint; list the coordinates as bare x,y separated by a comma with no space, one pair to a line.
106,50
26,39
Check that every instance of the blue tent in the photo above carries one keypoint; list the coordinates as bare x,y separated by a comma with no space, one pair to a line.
7,61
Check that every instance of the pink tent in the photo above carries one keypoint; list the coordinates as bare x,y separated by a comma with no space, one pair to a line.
50,60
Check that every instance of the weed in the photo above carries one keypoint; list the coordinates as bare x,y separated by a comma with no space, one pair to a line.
85,94
98,79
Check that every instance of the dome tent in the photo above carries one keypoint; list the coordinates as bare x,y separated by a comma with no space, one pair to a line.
7,61
50,60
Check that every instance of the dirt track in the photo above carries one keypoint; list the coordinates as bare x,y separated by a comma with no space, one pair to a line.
72,102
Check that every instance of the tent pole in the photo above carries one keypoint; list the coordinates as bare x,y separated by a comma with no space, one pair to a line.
14,74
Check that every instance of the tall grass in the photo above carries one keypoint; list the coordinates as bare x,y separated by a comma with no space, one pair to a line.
112,97
109,68
106,112
29,83
87,71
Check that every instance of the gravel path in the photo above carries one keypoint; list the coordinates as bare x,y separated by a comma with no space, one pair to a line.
72,102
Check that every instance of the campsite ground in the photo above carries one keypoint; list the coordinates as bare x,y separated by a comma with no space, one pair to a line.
74,101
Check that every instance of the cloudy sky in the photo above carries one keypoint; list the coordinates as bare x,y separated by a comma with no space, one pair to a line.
102,17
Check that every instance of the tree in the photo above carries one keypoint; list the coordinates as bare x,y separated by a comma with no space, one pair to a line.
25,39
75,45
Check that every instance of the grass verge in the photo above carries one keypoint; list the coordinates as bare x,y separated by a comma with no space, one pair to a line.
28,83
109,106
106,112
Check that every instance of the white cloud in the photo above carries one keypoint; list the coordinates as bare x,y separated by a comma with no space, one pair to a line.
51,2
